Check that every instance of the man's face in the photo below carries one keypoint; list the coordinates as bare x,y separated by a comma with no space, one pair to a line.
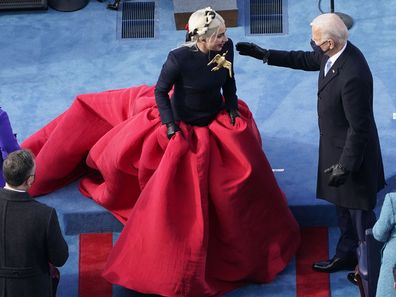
317,38
324,45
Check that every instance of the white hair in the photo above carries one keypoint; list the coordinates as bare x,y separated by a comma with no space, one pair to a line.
203,23
331,26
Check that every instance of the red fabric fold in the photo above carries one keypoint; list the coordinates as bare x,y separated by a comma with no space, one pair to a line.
202,212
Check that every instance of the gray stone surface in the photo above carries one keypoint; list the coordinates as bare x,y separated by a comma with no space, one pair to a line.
191,5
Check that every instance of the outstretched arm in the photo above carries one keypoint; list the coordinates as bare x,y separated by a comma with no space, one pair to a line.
303,60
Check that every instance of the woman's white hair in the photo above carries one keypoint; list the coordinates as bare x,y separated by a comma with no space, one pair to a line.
203,23
331,26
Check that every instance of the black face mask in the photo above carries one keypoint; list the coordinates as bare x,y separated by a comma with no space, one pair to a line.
317,48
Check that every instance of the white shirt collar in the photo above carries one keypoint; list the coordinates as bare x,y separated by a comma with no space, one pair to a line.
7,186
337,55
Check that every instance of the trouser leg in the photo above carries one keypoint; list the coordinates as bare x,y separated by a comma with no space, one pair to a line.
362,220
348,240
353,224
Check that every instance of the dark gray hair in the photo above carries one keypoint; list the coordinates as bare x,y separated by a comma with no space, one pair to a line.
18,167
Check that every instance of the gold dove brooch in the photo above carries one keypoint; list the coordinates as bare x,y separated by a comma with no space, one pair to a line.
221,62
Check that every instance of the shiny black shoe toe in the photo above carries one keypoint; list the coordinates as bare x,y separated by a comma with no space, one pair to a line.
351,277
335,264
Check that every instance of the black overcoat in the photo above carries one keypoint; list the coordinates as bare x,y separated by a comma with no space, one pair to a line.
348,133
30,237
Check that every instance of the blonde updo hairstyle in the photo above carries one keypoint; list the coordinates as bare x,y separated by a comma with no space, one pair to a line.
203,24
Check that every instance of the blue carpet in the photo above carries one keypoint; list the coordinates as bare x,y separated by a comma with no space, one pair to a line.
283,286
48,57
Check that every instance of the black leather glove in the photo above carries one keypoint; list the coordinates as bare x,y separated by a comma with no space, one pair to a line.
253,50
338,175
233,113
172,128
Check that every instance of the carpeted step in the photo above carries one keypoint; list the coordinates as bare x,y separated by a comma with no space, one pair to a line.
79,214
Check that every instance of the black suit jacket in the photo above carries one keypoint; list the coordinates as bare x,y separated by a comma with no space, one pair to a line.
30,237
348,133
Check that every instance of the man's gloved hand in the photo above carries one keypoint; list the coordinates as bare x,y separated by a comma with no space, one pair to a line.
172,128
253,50
233,113
338,175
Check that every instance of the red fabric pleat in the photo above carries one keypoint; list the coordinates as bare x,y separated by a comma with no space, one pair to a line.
313,248
94,250
203,213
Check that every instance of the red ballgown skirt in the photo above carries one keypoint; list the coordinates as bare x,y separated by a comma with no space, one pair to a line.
202,212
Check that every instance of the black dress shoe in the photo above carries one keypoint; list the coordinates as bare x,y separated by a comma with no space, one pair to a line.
335,264
352,278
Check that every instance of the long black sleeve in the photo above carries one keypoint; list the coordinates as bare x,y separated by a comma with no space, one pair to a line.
303,60
229,88
58,250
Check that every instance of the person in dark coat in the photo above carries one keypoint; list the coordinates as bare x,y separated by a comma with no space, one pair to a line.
30,235
350,170
8,142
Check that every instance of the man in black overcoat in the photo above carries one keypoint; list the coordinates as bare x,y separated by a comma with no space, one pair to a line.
350,171
30,236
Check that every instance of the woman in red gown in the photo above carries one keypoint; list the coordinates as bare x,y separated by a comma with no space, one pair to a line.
181,166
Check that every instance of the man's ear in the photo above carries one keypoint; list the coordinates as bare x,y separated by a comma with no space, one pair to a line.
30,181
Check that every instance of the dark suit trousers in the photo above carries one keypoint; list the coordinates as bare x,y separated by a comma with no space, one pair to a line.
353,224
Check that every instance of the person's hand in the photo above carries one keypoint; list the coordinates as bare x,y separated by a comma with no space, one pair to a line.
338,175
233,113
55,277
253,50
54,272
172,128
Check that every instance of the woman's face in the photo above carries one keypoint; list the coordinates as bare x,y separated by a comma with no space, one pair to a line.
217,40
